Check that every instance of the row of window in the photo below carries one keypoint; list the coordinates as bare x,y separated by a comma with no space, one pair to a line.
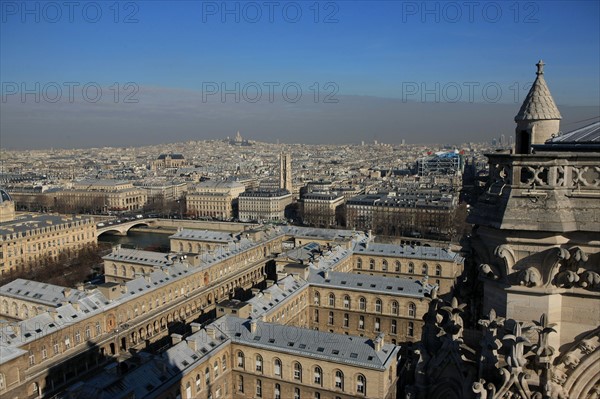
362,304
410,330
317,375
398,266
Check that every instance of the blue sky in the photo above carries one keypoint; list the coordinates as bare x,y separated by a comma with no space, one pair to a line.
373,48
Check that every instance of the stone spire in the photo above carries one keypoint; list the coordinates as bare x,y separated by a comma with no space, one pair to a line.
538,119
539,104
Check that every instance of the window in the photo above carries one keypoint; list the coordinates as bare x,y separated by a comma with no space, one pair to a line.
378,306
44,352
188,390
259,363
318,376
362,303
424,269
394,327
77,336
207,376
216,368
438,270
384,265
411,267
2,381
297,371
397,266
55,348
317,298
317,395
98,328
240,359
224,362
394,308
240,383
316,316
412,309
296,393
361,323
31,358
67,343
339,380
377,324
259,388
361,384
277,391
198,382
359,263
346,320
88,333
277,367
331,299
346,302
371,264
411,329
330,319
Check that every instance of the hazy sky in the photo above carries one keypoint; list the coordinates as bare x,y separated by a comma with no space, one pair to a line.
143,72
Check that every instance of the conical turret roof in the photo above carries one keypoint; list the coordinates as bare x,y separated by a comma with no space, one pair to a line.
539,104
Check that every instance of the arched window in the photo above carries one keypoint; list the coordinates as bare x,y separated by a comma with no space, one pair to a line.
240,383
224,362
240,359
362,303
346,302
361,384
216,368
123,271
346,320
438,270
412,309
277,367
2,381
198,382
298,371
411,267
296,393
331,299
317,298
371,264
395,308
259,363
330,319
359,263
277,392
207,376
411,329
188,390
394,327
424,269
318,376
378,305
339,380
384,265
397,266
114,269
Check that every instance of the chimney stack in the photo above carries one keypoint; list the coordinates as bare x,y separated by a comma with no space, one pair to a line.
378,343
195,327
176,338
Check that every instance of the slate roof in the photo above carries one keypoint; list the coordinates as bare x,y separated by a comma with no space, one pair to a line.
276,295
407,251
586,134
42,293
303,342
538,104
139,257
364,282
203,235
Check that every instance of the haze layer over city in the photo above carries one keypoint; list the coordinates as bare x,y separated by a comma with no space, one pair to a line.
294,199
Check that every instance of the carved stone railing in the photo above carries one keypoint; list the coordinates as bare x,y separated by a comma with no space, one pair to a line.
546,172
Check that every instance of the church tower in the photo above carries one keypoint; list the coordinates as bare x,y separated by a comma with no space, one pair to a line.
538,119
285,171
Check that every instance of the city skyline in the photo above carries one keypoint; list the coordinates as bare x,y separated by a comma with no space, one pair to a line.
142,73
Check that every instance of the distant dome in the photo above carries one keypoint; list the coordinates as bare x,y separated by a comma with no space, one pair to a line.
4,196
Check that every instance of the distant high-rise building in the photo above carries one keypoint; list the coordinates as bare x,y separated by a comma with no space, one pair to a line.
285,171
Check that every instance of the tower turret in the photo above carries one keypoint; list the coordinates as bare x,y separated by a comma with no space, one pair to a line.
538,119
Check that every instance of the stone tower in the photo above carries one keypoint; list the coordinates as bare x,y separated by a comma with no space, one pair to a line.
538,119
285,171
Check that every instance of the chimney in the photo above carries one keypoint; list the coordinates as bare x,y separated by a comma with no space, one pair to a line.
192,344
211,331
267,295
378,343
77,306
253,325
53,313
195,327
67,292
255,291
270,283
326,274
175,338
